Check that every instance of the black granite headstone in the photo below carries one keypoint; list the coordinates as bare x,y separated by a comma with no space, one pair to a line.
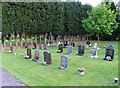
109,55
11,49
47,58
29,53
73,44
60,48
35,45
80,50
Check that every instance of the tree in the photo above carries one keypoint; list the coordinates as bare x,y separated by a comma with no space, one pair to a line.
101,20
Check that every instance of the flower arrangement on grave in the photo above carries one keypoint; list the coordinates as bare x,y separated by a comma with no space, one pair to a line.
81,70
14,53
27,57
1,49
22,53
36,57
105,46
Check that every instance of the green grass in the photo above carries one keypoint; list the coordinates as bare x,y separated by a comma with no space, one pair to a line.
98,72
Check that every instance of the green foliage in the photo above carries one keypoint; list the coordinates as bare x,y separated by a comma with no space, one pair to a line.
39,18
101,20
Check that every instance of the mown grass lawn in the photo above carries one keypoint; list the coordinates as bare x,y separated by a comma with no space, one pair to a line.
97,71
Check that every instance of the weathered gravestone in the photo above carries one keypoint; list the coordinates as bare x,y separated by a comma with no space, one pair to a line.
26,44
64,63
109,55
69,49
45,46
47,58
40,46
36,56
66,44
1,48
28,54
80,50
11,49
93,53
35,45
60,48
73,44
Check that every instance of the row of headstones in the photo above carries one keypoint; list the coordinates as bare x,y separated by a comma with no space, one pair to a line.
26,44
47,58
109,55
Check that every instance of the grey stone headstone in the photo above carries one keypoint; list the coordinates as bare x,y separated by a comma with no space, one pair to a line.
29,53
1,47
69,49
93,53
37,53
40,46
64,62
45,46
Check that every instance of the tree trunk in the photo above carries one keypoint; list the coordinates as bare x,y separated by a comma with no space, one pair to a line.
98,40
20,39
40,37
45,39
10,40
35,38
31,39
26,37
16,44
4,40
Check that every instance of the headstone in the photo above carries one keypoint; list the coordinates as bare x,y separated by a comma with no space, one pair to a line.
64,63
60,48
95,46
26,44
88,44
47,58
69,49
40,46
65,44
35,45
28,54
35,51
1,48
45,46
36,56
73,44
93,53
80,50
109,55
11,49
